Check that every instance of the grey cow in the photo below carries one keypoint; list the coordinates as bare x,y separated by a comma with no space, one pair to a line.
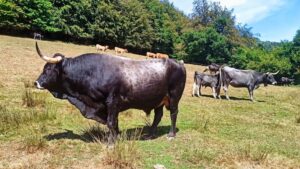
201,79
244,78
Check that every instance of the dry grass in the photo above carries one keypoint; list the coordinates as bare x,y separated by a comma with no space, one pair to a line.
125,154
32,99
211,133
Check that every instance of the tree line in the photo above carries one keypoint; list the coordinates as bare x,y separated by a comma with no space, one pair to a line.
209,34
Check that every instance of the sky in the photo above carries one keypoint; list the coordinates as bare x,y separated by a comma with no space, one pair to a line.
274,20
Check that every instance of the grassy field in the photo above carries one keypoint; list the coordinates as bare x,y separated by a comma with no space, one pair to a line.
39,131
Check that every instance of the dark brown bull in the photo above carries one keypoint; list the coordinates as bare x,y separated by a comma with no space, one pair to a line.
101,86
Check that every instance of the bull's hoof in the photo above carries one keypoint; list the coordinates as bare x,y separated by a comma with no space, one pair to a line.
171,136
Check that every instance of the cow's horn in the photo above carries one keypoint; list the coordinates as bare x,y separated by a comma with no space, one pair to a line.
46,58
275,73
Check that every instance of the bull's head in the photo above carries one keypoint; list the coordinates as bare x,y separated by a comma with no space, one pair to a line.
50,75
269,78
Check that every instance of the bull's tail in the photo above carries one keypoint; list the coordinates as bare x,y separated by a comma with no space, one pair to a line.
194,84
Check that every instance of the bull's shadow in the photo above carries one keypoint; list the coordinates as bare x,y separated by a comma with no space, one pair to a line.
96,134
231,98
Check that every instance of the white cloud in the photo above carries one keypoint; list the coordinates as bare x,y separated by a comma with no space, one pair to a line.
251,11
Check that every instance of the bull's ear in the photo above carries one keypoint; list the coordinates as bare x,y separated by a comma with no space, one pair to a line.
59,55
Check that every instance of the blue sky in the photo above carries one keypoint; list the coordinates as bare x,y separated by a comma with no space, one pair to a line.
274,20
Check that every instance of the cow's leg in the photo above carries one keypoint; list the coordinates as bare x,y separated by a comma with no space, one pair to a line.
158,113
225,88
194,89
218,91
250,90
174,100
199,90
214,92
112,119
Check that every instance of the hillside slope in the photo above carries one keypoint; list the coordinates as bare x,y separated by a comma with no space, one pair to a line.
39,131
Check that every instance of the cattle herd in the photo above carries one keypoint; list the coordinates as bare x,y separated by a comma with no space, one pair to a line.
222,76
102,85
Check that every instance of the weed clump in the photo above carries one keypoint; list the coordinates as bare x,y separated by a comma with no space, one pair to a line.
35,140
125,153
33,99
14,118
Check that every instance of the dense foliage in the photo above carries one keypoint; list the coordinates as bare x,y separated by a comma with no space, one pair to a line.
209,34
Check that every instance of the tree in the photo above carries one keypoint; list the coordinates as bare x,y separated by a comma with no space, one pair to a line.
207,46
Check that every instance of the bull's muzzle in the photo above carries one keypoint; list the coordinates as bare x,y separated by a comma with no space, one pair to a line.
37,85
274,83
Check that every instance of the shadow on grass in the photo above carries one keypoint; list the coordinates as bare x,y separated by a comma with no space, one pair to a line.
231,98
95,134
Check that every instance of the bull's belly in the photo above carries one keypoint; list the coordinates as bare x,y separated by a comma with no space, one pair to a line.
145,103
237,84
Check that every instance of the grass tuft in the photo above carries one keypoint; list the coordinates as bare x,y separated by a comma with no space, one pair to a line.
95,133
28,83
125,153
33,99
12,119
298,119
35,140
198,156
200,123
259,154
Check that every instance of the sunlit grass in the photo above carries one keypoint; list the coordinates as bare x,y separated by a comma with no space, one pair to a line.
211,133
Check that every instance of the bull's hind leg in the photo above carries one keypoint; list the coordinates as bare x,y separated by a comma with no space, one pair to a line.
112,119
225,88
174,101
158,113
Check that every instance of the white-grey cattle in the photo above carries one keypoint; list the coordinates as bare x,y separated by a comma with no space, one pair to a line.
244,78
201,79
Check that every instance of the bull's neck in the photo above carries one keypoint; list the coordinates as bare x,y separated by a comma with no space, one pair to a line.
260,78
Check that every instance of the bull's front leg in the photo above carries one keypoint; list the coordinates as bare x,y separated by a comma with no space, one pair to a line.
250,90
112,119
214,92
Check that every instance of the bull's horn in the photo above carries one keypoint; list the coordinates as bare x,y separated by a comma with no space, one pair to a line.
46,58
275,73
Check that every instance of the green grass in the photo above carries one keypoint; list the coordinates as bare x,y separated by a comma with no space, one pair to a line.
39,131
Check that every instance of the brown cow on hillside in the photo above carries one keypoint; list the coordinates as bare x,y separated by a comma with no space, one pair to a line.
150,55
161,55
120,50
102,48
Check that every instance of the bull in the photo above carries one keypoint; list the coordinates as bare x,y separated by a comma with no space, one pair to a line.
101,86
201,79
249,79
